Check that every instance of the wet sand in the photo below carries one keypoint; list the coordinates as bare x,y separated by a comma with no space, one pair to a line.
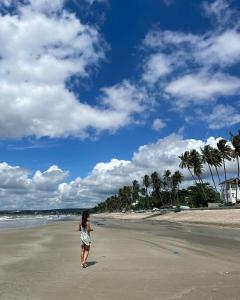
129,260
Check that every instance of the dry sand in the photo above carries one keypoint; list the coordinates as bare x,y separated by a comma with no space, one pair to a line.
125,216
128,261
222,217
230,217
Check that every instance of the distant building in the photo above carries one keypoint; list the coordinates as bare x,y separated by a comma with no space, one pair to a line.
229,189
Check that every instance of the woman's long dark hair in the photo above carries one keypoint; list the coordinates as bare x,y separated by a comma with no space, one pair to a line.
85,216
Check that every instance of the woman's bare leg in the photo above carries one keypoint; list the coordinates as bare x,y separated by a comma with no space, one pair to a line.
82,255
85,254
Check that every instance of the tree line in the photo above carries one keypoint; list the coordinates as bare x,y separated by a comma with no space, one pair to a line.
157,191
214,158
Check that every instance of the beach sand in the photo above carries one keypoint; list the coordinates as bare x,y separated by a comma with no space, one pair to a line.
128,260
219,217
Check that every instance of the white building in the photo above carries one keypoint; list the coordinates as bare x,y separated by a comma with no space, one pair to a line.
230,189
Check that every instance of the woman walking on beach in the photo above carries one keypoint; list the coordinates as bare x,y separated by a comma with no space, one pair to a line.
85,229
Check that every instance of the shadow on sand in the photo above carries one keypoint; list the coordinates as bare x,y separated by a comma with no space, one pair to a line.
91,263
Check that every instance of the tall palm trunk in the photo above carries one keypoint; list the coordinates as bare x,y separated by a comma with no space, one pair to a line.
217,174
200,181
178,194
237,181
170,195
219,181
202,187
192,175
225,175
160,197
212,177
147,197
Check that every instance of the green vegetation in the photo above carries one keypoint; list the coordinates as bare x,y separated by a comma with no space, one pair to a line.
162,192
161,196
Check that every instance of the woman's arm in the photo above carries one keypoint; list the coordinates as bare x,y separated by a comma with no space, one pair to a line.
89,227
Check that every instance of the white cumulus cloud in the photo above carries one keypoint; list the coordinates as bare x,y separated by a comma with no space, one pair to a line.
197,88
42,47
158,124
222,116
195,69
20,189
49,179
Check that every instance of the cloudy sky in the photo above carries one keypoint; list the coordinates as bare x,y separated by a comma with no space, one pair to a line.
96,93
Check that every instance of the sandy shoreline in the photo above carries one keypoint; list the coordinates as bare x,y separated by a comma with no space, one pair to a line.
139,261
225,218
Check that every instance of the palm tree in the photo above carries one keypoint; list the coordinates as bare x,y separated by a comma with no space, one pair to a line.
226,154
127,195
197,164
168,182
143,191
121,198
236,153
135,190
185,163
147,183
156,184
216,161
111,203
207,157
177,178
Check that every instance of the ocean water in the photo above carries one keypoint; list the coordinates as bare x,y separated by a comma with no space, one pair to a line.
27,221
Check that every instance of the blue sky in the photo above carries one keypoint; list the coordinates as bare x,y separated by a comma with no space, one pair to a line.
94,94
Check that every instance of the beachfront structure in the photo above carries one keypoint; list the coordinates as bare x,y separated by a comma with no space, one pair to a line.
230,190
